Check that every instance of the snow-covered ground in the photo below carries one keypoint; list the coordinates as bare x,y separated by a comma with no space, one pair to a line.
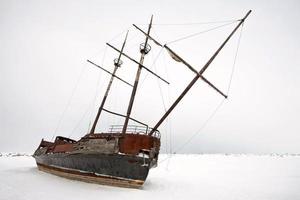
181,177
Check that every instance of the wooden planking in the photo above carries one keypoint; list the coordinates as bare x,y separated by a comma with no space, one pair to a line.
90,177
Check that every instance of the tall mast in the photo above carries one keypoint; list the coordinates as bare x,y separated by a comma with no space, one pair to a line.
117,64
144,50
198,75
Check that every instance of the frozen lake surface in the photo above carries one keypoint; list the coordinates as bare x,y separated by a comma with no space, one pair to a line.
185,177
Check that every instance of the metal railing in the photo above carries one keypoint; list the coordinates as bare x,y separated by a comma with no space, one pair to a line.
134,129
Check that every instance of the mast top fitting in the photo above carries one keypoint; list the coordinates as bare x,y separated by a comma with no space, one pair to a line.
118,62
145,49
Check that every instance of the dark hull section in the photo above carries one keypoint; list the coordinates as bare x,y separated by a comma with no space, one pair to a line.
108,169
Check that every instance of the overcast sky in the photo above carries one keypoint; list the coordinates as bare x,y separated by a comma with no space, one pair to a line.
47,87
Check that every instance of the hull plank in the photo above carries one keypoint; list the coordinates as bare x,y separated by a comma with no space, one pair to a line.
90,177
112,169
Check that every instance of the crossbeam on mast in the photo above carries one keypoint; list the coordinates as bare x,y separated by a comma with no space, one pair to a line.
117,64
133,60
110,73
143,52
198,75
180,59
118,114
147,35
195,71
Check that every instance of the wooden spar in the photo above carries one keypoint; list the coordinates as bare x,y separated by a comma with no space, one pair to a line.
118,114
194,70
136,82
181,60
147,35
133,60
110,73
117,65
198,75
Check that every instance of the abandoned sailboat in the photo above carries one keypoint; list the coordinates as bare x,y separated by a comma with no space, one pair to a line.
124,155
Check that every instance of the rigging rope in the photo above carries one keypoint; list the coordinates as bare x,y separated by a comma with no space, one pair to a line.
216,109
202,127
76,86
198,33
235,58
119,34
92,103
98,86
153,63
188,24
69,101
168,119
198,131
159,86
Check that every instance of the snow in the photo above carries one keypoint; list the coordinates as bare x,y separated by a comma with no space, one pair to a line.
202,176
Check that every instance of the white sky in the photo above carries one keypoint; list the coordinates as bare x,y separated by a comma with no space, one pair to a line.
45,44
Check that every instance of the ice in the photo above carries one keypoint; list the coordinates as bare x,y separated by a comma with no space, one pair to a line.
185,177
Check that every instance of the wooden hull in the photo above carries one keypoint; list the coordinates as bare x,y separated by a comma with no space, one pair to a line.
90,177
108,169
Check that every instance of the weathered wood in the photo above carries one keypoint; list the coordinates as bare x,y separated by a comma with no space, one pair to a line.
114,113
136,82
90,177
139,63
178,58
147,35
110,73
117,65
194,70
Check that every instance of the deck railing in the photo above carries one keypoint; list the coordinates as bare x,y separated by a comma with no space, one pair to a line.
134,129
